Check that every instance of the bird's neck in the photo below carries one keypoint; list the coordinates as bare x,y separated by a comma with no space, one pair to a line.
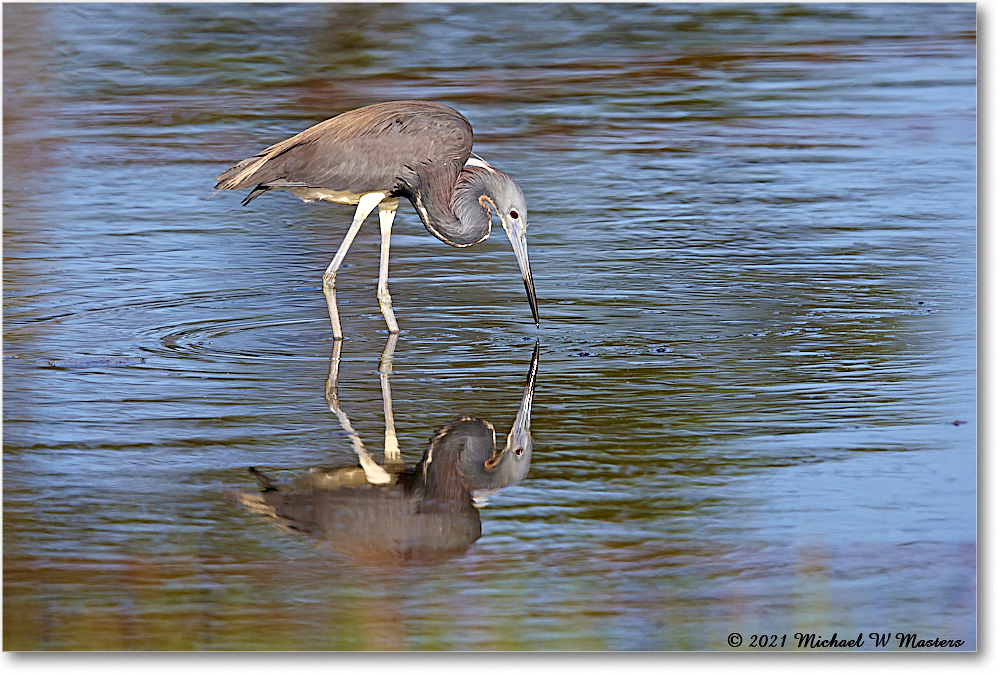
455,211
440,480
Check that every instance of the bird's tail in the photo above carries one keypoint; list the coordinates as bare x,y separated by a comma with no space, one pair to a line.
235,177
253,502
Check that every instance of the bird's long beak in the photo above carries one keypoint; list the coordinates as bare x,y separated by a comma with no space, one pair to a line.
520,244
520,432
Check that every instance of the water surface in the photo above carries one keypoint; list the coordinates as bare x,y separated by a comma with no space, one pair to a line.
753,239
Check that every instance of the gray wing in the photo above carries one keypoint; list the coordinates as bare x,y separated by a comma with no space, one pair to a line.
370,521
360,151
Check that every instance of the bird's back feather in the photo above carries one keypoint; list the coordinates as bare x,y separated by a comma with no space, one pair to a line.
362,150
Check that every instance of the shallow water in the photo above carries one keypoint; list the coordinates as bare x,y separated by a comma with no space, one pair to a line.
753,240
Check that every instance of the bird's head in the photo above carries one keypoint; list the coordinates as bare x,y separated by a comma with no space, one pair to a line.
481,187
463,458
491,467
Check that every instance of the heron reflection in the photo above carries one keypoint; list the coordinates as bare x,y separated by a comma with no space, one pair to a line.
391,511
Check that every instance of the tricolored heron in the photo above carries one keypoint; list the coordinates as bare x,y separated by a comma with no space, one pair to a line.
374,155
392,512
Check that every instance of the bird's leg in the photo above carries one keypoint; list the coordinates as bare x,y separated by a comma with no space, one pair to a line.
392,454
374,473
386,212
366,205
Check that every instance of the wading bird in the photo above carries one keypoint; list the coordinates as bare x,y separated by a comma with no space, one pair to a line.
389,512
374,155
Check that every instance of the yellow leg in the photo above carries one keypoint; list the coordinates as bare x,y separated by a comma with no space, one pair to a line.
374,473
386,212
392,454
366,205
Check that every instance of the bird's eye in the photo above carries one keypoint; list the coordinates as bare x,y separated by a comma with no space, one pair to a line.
513,214
519,452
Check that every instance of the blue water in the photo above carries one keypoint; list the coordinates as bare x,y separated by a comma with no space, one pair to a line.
753,237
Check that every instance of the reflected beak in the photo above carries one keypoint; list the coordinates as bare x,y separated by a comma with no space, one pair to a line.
520,244
520,433
519,438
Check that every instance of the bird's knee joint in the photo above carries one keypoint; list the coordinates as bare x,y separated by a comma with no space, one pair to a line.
329,278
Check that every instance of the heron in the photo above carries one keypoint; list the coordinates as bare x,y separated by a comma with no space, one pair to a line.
373,156
391,512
